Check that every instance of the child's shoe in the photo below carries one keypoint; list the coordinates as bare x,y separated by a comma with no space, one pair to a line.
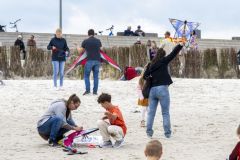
106,144
118,144
143,123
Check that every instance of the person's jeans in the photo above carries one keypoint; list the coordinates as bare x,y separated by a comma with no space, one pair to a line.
91,66
58,66
159,94
52,128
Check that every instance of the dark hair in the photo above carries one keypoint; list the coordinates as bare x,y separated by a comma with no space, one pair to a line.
104,97
194,32
91,32
149,42
73,98
167,33
160,54
153,149
238,130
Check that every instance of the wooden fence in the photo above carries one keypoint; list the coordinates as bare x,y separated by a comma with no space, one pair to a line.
190,64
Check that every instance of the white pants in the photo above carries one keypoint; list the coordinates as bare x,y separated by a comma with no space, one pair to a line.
182,63
107,131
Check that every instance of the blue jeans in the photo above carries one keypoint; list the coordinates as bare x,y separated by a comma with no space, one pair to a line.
58,66
91,66
159,94
53,128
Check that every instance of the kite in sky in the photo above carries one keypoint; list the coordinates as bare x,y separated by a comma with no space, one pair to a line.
183,28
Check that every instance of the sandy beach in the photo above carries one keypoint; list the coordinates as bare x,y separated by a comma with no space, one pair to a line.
204,115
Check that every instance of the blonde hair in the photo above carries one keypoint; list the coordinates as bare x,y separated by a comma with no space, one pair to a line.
155,44
59,30
153,149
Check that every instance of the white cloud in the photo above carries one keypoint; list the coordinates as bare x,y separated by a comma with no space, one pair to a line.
218,19
78,22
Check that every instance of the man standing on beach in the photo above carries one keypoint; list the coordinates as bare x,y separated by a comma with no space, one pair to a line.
92,47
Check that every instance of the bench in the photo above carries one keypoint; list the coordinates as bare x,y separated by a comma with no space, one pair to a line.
235,38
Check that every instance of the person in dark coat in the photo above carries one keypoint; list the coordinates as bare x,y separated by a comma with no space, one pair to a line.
139,32
92,46
160,80
19,42
60,50
1,28
128,32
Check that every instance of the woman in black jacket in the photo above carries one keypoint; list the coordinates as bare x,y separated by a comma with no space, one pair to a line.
59,48
160,80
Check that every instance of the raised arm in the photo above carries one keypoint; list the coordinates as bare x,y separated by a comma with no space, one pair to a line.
174,53
165,60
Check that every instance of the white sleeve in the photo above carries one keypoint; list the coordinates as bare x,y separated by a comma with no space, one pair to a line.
163,44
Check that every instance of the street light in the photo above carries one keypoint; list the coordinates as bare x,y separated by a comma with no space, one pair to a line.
60,14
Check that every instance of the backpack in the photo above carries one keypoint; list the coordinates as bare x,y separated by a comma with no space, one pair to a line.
130,73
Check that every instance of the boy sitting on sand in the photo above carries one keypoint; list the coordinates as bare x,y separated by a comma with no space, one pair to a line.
116,127
236,151
153,150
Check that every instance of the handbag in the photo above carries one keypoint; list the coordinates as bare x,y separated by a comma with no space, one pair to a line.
147,87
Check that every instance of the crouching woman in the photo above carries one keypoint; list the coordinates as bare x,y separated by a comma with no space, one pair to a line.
57,120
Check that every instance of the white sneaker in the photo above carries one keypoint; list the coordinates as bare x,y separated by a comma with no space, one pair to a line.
61,88
118,144
106,144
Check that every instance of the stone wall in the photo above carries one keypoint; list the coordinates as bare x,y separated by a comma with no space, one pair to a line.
42,39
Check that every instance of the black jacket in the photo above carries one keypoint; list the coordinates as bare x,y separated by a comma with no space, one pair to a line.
61,45
159,70
128,33
20,43
139,32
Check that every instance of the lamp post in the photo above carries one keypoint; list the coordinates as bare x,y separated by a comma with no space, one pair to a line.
60,14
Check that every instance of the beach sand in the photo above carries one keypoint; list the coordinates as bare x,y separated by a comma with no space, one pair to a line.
204,116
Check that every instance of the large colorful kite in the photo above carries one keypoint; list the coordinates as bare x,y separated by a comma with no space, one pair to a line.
82,59
183,28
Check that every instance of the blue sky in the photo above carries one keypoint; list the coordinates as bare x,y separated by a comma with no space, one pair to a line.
218,18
